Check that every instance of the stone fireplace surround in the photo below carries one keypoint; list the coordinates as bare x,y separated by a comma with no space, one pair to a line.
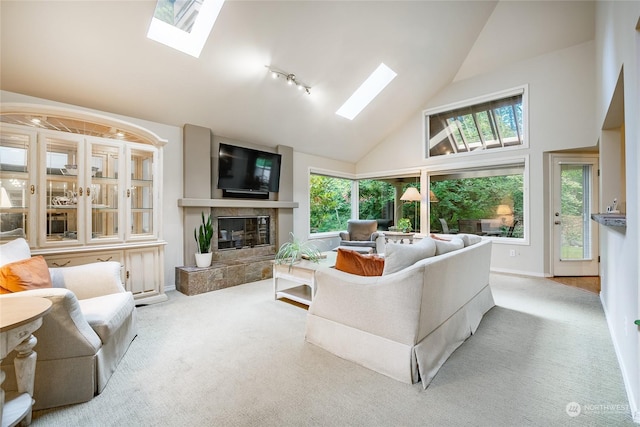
233,254
231,267
200,195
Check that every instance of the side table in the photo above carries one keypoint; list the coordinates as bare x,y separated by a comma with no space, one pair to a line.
302,272
396,235
19,318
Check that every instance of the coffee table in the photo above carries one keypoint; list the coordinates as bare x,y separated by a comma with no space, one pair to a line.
302,273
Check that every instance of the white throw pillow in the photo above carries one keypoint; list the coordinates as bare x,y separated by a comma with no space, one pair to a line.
443,246
15,250
398,256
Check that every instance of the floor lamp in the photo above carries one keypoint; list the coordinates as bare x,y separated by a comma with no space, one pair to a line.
412,194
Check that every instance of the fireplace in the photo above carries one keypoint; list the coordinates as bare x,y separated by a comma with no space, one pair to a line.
241,232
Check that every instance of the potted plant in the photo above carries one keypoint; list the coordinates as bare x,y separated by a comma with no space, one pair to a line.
203,235
404,225
294,250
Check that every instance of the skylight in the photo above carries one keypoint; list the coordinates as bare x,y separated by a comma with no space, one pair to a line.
368,90
184,25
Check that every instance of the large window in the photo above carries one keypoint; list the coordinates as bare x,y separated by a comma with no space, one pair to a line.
330,203
489,124
376,200
380,199
487,201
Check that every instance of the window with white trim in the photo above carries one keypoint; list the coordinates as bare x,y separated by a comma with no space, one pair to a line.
486,125
487,200
329,203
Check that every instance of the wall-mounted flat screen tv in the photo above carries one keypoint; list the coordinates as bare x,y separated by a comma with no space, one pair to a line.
245,169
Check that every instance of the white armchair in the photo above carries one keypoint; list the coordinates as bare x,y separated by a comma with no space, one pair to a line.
85,335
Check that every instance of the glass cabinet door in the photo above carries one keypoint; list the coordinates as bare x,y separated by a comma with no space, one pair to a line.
140,192
16,186
62,196
102,191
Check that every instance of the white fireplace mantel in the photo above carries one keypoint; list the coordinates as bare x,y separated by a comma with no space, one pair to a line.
235,203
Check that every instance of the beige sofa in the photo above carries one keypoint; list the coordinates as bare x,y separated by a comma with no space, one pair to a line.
85,335
407,323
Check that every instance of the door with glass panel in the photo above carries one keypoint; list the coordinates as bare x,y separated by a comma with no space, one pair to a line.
142,164
17,185
61,189
103,190
574,199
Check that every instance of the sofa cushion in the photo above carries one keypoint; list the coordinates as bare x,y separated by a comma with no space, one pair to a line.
107,313
30,273
355,263
444,246
468,239
398,256
15,250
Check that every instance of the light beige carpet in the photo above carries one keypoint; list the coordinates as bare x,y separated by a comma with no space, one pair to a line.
237,357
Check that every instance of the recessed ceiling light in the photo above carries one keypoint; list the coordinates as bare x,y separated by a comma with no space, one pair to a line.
186,35
368,90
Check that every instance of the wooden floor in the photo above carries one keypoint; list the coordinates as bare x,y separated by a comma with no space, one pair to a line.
589,283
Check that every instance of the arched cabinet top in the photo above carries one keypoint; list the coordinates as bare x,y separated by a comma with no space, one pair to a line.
76,121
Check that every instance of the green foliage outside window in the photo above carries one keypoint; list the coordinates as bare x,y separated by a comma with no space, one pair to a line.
573,207
376,199
477,198
330,203
472,198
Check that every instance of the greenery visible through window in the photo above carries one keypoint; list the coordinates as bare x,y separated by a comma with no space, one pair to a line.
330,203
488,125
376,199
486,202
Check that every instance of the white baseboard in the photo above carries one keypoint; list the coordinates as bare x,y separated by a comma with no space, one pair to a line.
633,407
516,272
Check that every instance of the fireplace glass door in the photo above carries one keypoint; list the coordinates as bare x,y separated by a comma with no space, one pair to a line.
243,232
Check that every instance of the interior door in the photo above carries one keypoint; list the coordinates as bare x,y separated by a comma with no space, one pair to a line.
575,197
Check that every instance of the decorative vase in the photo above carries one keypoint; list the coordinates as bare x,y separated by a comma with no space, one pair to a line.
203,260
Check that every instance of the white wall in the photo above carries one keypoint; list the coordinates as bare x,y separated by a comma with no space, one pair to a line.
172,183
617,48
561,112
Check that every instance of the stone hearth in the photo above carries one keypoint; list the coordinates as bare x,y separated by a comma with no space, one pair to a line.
223,274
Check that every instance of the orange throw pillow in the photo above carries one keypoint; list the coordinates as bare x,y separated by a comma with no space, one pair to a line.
30,273
355,263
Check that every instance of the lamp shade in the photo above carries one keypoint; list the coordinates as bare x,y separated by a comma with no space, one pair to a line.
411,194
504,210
432,197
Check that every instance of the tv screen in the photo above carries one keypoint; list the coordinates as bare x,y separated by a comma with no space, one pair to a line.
246,169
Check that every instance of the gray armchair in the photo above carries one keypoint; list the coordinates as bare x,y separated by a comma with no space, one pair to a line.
361,234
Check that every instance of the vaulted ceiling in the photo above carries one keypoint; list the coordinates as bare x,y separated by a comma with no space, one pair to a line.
96,54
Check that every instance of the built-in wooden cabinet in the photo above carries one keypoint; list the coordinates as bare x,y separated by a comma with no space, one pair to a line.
82,189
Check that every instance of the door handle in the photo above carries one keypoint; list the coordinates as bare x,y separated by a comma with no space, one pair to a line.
557,222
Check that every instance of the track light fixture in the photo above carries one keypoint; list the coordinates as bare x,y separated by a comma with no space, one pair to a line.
290,78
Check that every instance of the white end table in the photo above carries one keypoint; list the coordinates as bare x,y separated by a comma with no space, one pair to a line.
302,272
19,318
